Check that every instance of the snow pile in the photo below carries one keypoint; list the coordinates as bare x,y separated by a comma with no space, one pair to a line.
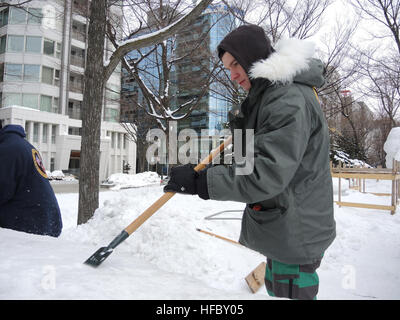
345,158
167,258
57,174
392,147
119,181
60,176
169,239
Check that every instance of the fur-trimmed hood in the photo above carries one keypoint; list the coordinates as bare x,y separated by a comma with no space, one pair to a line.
292,61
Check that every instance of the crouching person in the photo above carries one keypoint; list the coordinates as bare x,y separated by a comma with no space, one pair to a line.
27,200
289,199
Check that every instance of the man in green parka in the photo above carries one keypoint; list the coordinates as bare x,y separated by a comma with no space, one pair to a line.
289,199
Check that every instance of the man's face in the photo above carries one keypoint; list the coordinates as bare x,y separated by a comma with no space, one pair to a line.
238,74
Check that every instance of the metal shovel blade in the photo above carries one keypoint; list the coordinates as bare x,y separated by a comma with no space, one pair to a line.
99,256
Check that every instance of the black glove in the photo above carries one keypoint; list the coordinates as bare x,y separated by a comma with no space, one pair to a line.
183,179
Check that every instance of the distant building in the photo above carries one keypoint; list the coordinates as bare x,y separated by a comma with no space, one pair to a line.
189,73
42,63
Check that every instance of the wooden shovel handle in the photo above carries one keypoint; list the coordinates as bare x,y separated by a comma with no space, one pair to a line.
168,195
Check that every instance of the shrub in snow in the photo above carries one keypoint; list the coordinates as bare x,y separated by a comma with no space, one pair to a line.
337,155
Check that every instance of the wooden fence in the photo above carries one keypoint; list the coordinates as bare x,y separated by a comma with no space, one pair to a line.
357,176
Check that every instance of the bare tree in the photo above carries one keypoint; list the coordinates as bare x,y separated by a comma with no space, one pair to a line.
174,75
300,18
95,80
387,13
381,63
15,3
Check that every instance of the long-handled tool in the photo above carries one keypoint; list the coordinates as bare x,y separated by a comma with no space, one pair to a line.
217,236
100,255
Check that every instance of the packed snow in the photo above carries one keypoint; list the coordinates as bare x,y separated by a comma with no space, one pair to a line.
392,147
119,181
166,258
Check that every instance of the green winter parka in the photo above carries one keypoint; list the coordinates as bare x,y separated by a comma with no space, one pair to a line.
291,178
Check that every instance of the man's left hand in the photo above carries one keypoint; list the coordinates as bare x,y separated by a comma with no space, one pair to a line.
182,180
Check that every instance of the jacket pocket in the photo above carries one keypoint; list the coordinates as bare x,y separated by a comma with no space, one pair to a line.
265,216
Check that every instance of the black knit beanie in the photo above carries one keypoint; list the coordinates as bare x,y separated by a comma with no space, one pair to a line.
247,44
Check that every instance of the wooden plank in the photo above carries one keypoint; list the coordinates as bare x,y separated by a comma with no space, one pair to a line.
255,279
380,194
364,176
365,205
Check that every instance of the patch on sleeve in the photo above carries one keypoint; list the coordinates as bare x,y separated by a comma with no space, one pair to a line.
37,159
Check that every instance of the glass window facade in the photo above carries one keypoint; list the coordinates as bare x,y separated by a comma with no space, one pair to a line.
35,16
33,44
45,103
13,72
31,72
15,43
30,100
18,16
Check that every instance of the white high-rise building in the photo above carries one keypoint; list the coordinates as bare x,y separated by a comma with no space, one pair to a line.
42,61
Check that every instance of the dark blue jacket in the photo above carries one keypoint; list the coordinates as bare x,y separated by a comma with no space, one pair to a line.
27,200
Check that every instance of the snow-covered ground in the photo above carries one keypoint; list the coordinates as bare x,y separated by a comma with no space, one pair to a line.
166,258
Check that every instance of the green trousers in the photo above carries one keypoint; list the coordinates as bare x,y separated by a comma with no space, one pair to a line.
292,281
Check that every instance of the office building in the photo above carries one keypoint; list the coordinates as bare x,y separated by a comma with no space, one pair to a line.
42,62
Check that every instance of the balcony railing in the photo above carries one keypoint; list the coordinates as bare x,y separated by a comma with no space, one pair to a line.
78,61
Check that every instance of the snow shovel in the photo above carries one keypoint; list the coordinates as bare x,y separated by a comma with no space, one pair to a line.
100,255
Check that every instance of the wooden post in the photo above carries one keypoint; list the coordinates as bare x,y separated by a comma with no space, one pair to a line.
340,187
394,187
397,182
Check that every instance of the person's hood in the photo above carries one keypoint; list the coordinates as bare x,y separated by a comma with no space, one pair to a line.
247,44
292,61
11,128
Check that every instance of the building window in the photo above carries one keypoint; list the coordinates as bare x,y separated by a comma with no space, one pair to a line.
52,162
3,41
75,131
33,44
111,115
47,75
12,99
13,72
45,103
31,72
53,134
15,43
18,16
30,100
58,50
1,72
44,133
35,16
35,132
4,17
48,47
55,105
57,77
78,57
